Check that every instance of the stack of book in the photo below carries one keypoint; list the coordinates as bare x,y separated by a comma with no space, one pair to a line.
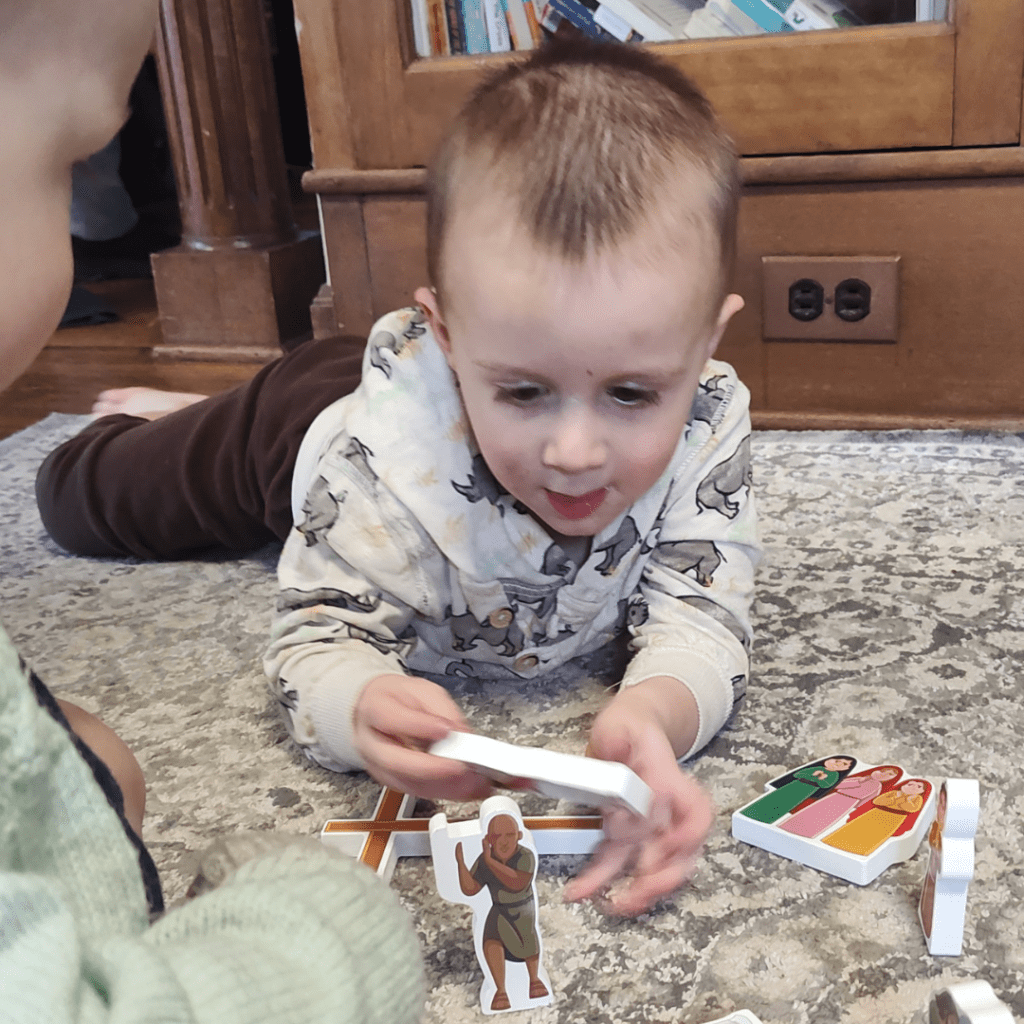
443,27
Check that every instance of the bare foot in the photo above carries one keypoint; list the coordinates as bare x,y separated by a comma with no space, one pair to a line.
148,403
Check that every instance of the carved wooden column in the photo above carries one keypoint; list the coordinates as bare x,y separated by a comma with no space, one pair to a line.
242,280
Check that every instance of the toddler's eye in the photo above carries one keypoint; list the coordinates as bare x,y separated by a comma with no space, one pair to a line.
520,394
631,395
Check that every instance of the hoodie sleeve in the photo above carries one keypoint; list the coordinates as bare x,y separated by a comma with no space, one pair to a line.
353,573
697,587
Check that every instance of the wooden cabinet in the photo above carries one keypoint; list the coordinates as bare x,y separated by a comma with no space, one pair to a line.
884,140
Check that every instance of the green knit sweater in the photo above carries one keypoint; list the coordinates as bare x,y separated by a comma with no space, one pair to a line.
299,936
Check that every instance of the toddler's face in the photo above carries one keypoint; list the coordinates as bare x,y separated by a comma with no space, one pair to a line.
577,380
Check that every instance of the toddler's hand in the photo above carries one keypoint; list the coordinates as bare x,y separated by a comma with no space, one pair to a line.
396,718
652,856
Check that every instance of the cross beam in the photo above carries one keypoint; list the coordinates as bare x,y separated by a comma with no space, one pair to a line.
391,833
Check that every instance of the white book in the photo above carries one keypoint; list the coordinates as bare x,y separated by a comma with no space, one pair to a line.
807,15
497,26
419,27
708,24
656,20
519,24
741,24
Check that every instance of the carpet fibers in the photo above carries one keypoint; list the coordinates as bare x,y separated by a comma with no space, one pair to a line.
890,618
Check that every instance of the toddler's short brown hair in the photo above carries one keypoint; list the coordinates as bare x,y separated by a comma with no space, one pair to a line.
589,140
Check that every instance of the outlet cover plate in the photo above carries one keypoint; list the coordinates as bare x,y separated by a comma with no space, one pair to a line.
881,273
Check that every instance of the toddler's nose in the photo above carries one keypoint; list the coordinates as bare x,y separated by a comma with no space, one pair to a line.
576,443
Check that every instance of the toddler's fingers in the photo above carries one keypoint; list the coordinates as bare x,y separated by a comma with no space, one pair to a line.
405,723
644,890
609,861
414,771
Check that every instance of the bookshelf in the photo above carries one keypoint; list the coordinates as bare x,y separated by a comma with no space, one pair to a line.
878,140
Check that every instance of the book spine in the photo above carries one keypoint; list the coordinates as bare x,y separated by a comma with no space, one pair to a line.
497,26
419,27
437,28
549,18
518,24
474,27
580,17
531,17
653,31
456,32
770,16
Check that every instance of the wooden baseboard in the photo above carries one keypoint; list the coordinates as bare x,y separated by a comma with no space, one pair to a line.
764,419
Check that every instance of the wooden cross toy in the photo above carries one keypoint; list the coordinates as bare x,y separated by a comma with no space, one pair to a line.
391,833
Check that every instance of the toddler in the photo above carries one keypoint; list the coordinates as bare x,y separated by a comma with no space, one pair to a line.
539,459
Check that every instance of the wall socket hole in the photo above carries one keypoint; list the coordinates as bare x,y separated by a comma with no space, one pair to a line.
806,299
853,300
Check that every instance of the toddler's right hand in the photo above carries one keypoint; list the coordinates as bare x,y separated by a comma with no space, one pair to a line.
396,719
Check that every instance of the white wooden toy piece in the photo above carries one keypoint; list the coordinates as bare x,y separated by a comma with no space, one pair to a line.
814,850
943,904
737,1017
970,1002
379,841
490,864
584,780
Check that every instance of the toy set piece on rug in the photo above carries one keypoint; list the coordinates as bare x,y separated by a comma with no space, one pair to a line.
840,816
490,863
585,780
391,833
943,903
970,1002
737,1017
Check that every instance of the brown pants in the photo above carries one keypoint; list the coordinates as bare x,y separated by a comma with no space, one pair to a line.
215,474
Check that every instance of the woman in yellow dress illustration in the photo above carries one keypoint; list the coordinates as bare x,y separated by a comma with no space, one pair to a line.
891,814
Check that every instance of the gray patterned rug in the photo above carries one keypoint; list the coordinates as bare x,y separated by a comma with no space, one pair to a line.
890,624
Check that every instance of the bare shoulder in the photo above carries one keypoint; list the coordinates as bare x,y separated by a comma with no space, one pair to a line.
67,66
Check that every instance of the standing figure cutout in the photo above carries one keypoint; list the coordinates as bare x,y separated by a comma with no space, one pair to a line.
943,903
490,864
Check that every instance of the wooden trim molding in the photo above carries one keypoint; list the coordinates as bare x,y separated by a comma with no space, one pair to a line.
769,419
911,165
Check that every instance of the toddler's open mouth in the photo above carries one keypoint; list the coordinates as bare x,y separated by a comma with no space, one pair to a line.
577,506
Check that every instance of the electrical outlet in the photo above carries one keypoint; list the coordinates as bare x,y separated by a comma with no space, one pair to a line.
830,298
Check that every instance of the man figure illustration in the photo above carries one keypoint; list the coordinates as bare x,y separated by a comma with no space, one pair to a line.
506,868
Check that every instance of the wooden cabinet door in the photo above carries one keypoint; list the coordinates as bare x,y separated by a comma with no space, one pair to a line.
373,105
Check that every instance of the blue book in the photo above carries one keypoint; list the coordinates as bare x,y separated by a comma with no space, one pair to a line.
456,25
766,13
474,27
580,14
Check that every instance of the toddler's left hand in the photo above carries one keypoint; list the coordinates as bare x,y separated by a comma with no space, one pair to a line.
648,857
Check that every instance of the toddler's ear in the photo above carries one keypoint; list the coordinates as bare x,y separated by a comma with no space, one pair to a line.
731,305
427,299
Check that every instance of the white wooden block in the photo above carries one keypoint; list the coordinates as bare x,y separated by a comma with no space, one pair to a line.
969,1002
840,816
583,780
737,1017
490,864
943,904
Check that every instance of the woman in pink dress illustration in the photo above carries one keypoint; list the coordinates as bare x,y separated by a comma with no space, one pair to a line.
855,790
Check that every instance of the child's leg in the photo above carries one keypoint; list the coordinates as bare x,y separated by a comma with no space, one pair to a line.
115,754
216,473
